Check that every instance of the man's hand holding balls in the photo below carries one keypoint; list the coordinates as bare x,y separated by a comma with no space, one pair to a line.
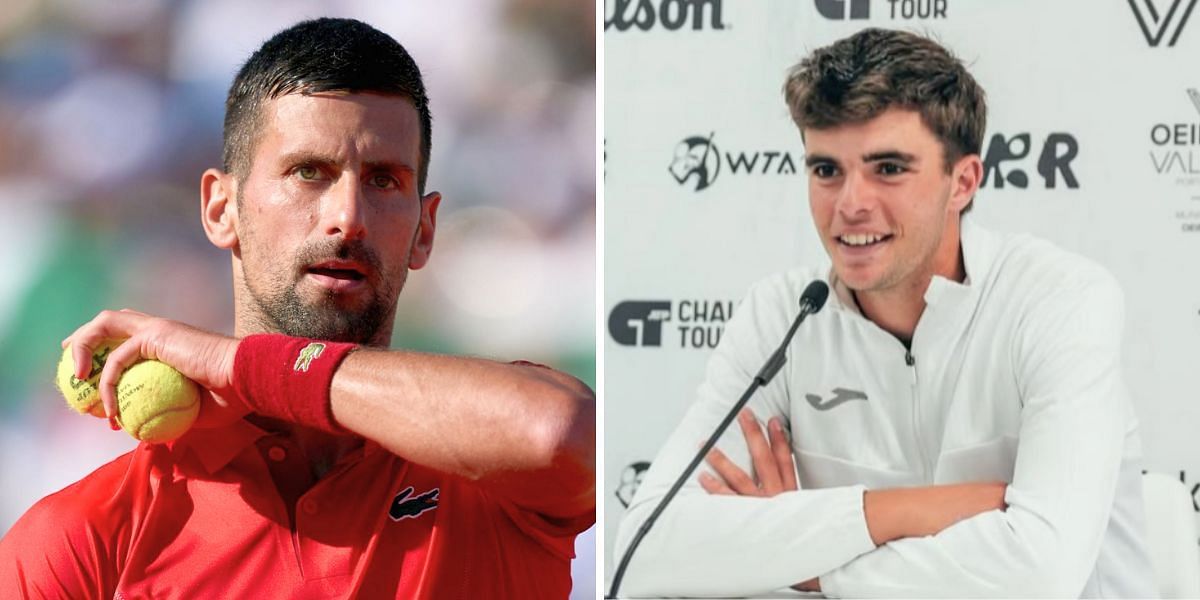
154,377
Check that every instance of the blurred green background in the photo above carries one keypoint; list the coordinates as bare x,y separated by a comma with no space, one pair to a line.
111,109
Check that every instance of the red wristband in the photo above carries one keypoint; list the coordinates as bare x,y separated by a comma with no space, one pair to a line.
288,378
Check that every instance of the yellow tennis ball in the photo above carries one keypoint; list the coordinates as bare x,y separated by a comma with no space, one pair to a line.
82,394
156,403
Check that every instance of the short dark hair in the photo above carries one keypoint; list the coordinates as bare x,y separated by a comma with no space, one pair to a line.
321,55
859,77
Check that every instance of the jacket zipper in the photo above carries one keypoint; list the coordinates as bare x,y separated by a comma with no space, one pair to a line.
911,361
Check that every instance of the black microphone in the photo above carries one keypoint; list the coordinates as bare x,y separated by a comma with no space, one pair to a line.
811,301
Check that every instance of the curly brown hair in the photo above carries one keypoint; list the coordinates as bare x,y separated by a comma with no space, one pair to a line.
858,77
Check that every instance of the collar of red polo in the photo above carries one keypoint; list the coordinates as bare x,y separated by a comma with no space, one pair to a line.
216,447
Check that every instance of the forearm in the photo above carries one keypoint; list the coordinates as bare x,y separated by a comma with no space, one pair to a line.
1045,543
897,513
722,546
526,431
994,554
893,514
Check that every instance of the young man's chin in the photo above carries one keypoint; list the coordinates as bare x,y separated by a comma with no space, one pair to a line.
858,279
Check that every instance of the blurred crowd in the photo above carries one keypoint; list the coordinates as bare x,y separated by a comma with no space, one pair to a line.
111,109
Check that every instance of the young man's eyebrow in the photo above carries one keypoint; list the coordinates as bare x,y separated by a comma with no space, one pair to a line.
890,155
818,159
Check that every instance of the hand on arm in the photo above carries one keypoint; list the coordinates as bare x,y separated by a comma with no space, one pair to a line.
525,432
890,513
772,463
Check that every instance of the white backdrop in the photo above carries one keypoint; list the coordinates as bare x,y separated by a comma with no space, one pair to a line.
693,92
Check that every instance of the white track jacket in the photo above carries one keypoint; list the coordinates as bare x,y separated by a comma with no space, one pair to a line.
1014,375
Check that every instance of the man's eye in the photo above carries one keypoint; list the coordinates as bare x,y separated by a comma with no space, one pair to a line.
307,173
891,169
824,171
383,181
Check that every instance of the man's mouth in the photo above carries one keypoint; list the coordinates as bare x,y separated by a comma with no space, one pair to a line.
338,275
339,270
862,240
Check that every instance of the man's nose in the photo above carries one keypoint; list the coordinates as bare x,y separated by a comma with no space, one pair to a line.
345,209
857,196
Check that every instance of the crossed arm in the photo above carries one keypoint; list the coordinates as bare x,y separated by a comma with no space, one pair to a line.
890,514
1044,540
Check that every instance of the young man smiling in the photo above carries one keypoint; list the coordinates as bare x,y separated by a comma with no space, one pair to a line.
323,464
958,421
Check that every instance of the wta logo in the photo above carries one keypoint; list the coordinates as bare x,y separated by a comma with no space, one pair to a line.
696,157
697,162
1156,24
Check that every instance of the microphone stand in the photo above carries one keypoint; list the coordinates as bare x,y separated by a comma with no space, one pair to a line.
808,305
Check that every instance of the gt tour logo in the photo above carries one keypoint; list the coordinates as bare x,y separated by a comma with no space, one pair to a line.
699,323
672,14
1155,24
839,10
639,322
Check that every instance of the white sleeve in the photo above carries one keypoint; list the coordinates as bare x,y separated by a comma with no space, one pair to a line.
1073,423
718,546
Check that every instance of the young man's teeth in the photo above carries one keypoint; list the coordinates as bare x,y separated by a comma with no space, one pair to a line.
861,239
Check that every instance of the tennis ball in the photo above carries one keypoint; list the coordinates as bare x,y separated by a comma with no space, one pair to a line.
83,395
156,403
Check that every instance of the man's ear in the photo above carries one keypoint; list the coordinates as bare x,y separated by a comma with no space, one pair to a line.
218,208
423,240
965,178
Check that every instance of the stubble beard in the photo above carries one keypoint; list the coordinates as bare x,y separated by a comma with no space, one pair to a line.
278,307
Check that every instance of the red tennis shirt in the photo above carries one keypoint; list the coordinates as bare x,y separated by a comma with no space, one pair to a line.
202,518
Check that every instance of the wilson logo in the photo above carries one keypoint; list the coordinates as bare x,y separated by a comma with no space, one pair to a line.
672,15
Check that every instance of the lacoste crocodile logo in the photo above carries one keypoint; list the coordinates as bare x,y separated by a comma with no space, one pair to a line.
404,507
310,353
840,396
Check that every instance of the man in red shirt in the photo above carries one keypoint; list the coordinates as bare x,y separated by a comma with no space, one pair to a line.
322,464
